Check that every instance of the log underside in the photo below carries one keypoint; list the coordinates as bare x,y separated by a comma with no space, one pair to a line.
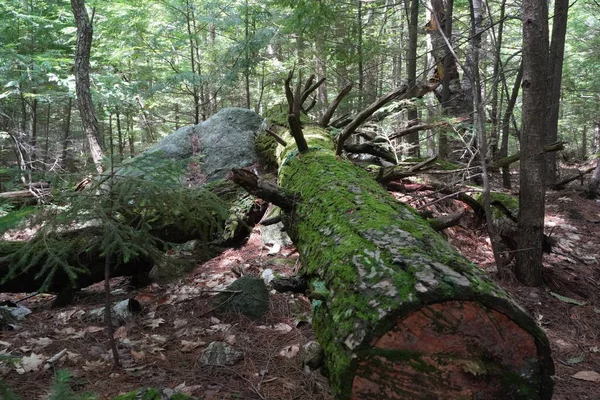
450,350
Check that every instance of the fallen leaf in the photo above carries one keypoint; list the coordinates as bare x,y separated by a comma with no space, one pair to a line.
179,323
590,376
283,328
93,365
93,329
121,332
30,363
290,351
187,346
154,323
138,356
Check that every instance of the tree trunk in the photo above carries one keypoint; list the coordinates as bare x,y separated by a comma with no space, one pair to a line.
557,53
397,310
535,122
411,72
66,133
451,96
82,82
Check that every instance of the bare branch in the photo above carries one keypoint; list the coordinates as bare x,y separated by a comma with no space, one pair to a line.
278,138
261,188
399,92
324,122
310,89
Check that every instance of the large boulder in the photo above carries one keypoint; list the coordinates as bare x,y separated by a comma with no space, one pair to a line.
223,142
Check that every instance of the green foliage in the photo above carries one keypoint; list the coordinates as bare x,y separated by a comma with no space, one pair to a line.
60,389
123,217
10,218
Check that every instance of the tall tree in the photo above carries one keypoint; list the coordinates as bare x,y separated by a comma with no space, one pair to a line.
411,71
534,122
82,81
557,54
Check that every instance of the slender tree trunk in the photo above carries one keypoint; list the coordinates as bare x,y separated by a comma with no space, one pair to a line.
557,53
82,81
33,129
535,122
247,53
130,135
359,53
584,144
46,157
120,135
66,132
193,62
497,76
508,113
411,73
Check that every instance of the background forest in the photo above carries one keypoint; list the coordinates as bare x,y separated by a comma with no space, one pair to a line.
160,65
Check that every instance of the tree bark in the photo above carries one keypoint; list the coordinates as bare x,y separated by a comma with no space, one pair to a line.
411,72
82,82
396,309
535,122
556,57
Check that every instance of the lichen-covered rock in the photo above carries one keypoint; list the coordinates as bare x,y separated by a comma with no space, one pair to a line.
247,295
220,353
222,142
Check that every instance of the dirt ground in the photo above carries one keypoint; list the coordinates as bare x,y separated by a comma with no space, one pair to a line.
161,346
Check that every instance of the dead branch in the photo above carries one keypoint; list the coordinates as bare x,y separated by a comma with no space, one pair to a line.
294,107
561,184
389,174
308,89
261,188
399,92
446,221
506,161
371,148
324,122
277,138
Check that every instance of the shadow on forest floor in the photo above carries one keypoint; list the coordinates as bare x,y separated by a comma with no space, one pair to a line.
161,347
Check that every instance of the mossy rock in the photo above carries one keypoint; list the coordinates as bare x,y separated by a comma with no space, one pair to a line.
265,146
251,297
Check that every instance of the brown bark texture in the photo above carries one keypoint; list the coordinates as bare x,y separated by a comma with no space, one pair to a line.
82,82
535,122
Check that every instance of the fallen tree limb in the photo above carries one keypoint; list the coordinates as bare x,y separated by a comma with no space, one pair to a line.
388,174
506,161
370,148
561,184
447,221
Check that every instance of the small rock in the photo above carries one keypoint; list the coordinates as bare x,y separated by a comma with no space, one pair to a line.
252,300
314,358
220,353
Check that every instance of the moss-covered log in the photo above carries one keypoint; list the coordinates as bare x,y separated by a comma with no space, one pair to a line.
399,312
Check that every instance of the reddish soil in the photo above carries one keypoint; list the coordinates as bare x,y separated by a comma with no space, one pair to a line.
161,347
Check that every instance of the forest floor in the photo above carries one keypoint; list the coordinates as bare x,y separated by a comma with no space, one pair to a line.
161,346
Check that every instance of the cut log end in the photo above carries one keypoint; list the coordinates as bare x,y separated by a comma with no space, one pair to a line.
454,350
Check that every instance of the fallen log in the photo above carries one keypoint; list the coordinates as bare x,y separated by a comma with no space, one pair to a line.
506,161
397,310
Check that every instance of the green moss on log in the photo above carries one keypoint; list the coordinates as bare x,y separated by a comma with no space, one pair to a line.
369,258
